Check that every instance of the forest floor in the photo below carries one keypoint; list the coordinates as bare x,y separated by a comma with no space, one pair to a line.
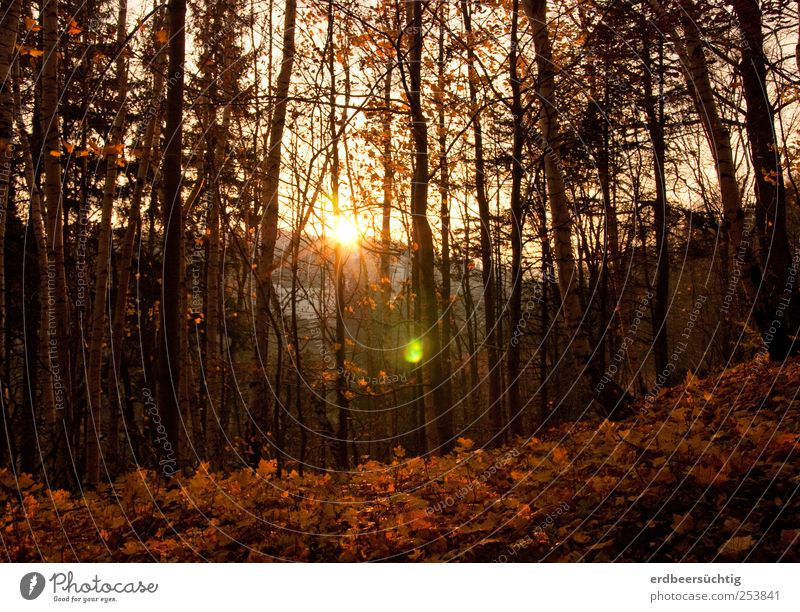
708,472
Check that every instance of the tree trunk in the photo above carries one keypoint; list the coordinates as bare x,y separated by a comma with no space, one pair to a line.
269,221
471,324
173,321
654,113
690,50
444,210
388,193
98,322
438,414
9,9
342,402
779,288
42,404
495,408
125,262
215,418
57,311
515,409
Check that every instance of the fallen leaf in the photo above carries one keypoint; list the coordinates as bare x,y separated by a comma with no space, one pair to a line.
736,545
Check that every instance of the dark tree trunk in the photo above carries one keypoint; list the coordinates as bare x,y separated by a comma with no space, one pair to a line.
268,235
439,416
57,311
172,321
342,401
9,18
495,408
444,211
777,284
654,111
518,323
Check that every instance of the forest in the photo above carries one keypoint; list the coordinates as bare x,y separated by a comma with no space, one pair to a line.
404,280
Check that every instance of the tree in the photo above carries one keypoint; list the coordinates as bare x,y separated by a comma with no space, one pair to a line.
487,265
515,408
438,414
778,284
57,312
173,322
99,321
10,23
268,231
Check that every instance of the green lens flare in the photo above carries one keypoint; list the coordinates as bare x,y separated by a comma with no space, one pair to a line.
414,351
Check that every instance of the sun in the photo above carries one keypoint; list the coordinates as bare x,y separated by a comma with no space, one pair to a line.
345,231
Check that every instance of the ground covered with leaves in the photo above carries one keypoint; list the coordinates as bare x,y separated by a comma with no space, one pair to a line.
706,472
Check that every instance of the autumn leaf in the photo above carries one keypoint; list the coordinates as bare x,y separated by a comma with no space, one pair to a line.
559,456
162,36
31,24
464,444
736,545
708,475
681,523
73,28
601,545
115,149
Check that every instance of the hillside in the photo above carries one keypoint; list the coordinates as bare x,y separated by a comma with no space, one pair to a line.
711,473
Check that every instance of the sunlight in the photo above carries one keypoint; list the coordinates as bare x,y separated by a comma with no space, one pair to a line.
345,231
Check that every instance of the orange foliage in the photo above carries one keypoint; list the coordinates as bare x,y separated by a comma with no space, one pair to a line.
709,473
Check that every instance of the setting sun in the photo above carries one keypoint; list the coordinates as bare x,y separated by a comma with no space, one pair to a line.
345,231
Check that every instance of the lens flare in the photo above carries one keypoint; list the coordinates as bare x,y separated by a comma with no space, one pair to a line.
413,353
